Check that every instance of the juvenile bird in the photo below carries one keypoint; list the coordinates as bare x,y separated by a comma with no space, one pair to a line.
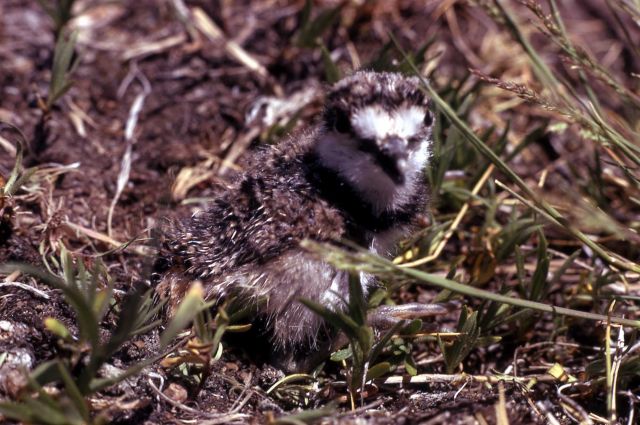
357,175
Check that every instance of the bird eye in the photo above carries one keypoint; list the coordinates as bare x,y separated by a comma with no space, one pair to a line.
341,122
428,119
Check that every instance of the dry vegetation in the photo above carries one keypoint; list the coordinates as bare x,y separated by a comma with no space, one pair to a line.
115,115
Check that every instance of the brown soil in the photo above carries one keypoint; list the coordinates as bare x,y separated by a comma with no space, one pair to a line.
195,114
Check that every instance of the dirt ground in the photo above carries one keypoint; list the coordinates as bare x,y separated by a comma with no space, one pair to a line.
203,105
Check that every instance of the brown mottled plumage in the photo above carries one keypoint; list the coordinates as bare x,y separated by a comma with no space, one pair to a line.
358,176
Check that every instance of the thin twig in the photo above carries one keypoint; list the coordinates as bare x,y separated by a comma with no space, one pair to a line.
24,286
427,378
132,120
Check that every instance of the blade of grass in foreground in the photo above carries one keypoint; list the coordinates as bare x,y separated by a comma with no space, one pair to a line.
362,260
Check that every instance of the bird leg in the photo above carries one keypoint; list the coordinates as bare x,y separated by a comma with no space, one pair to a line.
386,316
381,318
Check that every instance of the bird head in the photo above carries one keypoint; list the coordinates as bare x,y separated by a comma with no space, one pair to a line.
376,126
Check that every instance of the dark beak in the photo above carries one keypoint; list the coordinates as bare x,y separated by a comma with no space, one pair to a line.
393,158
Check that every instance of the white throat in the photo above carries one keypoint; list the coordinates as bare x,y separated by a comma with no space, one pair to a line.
340,153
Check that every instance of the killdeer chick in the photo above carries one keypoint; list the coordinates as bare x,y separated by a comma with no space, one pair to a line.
357,176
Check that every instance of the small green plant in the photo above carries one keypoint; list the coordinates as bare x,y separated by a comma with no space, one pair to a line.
8,188
363,349
469,331
19,175
202,349
312,29
195,358
60,12
311,32
64,63
77,369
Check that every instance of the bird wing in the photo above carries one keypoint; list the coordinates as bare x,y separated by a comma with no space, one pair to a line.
264,218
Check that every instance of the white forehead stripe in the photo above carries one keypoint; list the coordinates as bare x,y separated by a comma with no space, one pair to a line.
374,122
